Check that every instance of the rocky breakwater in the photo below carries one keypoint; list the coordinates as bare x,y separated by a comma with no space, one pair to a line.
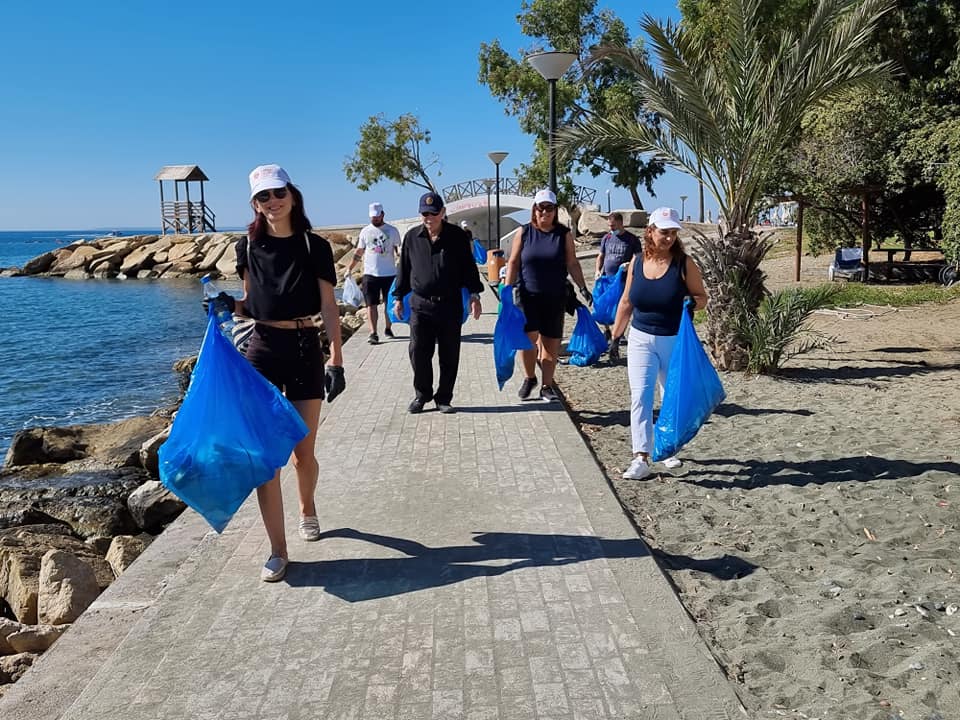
78,504
166,257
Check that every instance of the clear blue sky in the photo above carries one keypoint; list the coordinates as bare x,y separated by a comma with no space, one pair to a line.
98,96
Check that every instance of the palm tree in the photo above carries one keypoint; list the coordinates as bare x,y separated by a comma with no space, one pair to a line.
727,107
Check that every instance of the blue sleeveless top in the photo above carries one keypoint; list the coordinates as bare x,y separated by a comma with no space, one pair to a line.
543,261
658,304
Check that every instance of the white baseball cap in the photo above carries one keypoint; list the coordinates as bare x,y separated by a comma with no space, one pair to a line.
375,209
664,218
543,196
267,177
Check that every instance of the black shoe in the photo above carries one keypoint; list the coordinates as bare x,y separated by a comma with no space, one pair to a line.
445,408
388,332
416,406
548,394
373,339
526,388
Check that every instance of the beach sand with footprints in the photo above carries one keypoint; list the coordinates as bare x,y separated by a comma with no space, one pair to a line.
812,531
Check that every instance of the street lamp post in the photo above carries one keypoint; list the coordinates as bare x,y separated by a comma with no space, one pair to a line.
497,158
608,201
552,65
488,184
683,204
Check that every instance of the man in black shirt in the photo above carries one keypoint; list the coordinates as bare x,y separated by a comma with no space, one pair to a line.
436,263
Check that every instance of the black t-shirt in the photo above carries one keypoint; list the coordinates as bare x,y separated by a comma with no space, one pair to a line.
283,274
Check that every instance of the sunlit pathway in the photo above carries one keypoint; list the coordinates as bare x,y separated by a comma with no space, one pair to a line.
476,566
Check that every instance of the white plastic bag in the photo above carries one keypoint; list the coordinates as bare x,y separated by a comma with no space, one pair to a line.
351,292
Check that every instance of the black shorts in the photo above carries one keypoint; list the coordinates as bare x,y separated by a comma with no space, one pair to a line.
544,314
375,289
290,359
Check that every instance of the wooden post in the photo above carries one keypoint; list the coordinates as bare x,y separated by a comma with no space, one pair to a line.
203,210
186,187
865,219
163,223
796,259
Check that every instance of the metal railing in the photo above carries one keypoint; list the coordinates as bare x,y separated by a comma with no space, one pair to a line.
508,186
182,216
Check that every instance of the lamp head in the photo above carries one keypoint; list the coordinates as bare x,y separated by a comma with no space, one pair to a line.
552,64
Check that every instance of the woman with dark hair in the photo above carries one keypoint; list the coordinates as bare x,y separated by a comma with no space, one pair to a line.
288,278
541,255
658,281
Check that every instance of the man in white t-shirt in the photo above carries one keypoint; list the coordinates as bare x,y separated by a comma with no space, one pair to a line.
379,246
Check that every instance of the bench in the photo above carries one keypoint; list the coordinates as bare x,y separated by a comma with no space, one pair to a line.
907,262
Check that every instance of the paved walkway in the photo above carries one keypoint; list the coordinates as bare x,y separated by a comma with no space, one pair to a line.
477,566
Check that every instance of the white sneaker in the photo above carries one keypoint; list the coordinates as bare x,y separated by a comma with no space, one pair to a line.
638,470
274,569
309,528
672,463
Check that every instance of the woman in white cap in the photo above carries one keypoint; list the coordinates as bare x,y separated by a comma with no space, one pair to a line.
541,255
288,279
658,282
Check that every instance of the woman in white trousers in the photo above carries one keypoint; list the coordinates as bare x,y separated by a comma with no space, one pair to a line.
658,281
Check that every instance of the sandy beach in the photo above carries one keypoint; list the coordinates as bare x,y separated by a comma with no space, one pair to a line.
812,531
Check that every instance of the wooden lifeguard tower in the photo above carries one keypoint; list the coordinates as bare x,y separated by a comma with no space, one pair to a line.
184,216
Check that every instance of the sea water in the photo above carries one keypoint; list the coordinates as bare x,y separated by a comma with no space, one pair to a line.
88,351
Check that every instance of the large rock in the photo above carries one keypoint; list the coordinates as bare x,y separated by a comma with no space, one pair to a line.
185,252
91,503
596,224
39,264
35,639
21,550
7,628
81,258
111,445
67,587
153,506
149,458
123,551
139,259
12,667
227,264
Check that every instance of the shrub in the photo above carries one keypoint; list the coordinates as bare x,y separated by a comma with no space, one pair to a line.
779,331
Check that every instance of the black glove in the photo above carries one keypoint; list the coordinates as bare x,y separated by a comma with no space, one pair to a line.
690,305
517,299
228,301
334,382
587,297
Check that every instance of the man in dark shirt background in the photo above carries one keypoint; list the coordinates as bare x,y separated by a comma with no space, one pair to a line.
435,263
616,248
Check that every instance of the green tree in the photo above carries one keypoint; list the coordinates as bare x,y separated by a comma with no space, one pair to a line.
391,150
732,114
570,26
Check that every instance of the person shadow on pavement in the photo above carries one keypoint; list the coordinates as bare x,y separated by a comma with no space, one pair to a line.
358,579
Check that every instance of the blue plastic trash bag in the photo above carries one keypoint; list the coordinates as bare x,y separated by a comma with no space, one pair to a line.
406,305
466,305
508,336
606,296
587,343
233,431
479,254
692,392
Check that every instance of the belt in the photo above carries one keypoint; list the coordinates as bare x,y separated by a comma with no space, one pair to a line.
435,298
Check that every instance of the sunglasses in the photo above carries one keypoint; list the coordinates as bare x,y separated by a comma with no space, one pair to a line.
264,195
429,214
546,207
